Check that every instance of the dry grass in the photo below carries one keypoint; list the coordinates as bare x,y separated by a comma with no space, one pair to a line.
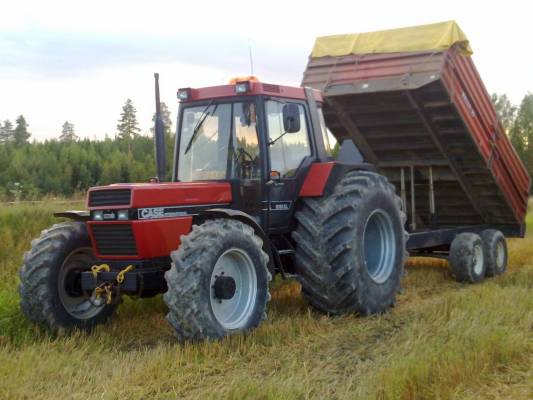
443,340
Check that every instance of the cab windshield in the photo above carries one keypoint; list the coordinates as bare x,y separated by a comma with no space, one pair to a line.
219,141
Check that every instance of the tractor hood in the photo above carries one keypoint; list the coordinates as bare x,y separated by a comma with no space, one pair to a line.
136,195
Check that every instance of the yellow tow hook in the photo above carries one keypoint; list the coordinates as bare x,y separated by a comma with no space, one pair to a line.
95,269
107,288
121,274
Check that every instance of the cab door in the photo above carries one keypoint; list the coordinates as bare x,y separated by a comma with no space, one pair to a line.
290,157
245,164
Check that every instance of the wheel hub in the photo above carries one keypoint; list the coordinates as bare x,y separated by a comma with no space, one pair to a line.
233,289
224,287
379,246
76,303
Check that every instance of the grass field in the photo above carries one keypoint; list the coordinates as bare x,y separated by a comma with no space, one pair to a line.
443,340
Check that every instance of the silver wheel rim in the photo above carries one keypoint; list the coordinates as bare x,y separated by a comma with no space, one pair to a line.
234,313
379,246
478,259
80,307
500,255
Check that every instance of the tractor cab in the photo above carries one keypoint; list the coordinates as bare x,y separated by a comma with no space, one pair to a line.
257,136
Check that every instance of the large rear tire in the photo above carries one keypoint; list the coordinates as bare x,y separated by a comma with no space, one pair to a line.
218,282
50,293
350,246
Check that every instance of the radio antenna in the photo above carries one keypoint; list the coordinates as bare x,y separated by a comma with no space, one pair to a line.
251,57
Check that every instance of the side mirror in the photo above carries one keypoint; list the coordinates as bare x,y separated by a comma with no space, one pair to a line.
291,118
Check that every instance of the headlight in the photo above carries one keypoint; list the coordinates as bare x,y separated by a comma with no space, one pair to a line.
184,94
122,215
98,215
242,87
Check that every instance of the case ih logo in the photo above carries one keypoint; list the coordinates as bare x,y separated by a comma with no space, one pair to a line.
159,212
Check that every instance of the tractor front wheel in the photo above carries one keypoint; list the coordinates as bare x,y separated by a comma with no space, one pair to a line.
50,285
218,282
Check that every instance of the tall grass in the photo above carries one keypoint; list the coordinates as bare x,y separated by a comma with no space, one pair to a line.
443,340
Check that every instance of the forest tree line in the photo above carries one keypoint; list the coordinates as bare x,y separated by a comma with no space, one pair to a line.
68,165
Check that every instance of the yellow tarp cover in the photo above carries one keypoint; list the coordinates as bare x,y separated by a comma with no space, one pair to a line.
437,37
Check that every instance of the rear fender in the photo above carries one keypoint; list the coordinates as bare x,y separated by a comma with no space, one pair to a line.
322,177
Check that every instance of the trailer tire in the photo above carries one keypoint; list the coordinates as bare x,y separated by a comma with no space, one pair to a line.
47,294
341,271
495,251
468,261
221,255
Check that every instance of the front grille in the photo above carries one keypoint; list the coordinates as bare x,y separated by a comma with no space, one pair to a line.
113,197
114,239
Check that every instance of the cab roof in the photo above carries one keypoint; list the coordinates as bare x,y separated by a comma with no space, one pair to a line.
255,88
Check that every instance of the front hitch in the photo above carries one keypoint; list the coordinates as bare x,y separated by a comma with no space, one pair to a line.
106,283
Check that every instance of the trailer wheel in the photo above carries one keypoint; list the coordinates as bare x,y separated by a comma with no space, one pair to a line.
468,262
218,282
350,246
495,251
50,290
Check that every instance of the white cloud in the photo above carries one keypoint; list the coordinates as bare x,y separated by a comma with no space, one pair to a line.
65,60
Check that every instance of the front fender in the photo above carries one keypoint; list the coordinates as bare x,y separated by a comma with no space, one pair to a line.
244,218
74,215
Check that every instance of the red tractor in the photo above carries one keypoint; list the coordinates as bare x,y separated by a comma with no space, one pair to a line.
254,192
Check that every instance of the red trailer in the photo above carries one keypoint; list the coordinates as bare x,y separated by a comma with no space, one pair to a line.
425,119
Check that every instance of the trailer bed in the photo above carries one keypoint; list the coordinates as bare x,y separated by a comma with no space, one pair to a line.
426,121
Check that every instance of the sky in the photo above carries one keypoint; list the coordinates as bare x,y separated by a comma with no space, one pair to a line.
80,61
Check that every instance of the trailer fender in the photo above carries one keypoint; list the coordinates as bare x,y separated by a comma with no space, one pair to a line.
74,215
242,217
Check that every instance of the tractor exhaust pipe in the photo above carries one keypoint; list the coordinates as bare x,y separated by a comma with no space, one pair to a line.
159,135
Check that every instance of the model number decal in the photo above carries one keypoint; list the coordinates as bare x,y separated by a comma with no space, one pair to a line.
280,205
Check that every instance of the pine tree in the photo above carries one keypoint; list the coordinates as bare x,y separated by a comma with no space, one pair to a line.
523,128
505,109
67,133
127,127
167,122
167,131
6,132
21,134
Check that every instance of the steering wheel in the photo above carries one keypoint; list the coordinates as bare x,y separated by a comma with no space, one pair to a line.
246,166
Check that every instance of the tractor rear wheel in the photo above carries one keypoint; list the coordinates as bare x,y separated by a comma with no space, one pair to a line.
50,288
350,246
218,282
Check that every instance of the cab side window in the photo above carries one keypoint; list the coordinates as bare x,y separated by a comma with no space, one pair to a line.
246,162
287,153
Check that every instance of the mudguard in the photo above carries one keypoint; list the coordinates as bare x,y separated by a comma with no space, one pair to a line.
74,215
245,218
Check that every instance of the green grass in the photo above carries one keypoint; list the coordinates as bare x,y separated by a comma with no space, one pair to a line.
443,340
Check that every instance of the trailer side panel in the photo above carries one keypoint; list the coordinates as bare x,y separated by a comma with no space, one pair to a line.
426,121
